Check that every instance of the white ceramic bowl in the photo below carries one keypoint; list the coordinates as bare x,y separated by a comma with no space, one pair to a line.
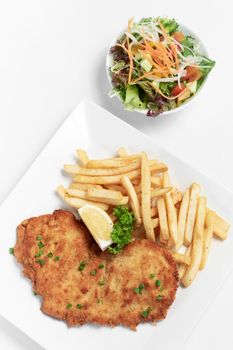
186,31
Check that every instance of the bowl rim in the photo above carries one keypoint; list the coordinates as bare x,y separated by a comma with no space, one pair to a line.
203,50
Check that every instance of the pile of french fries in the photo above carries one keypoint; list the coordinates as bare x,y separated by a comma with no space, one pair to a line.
163,214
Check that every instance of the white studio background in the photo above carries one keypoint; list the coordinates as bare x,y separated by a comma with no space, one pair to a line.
52,55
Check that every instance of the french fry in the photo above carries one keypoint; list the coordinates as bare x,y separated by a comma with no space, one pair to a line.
174,190
155,222
172,219
122,152
221,227
129,157
156,181
116,179
106,196
107,163
78,202
164,232
183,267
194,193
166,180
181,258
208,234
112,162
197,244
116,188
82,155
158,192
76,170
145,183
176,197
220,232
83,187
182,219
135,205
155,193
102,193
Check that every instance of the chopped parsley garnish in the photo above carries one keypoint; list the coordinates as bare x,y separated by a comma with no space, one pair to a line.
57,258
40,261
41,252
39,238
40,244
99,301
159,297
69,306
79,306
101,283
101,266
139,289
50,255
93,272
34,293
82,266
122,229
158,283
11,251
152,275
146,312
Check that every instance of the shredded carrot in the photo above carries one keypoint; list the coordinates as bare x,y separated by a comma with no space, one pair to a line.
162,55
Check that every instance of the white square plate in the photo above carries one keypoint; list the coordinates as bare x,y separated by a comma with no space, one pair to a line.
98,131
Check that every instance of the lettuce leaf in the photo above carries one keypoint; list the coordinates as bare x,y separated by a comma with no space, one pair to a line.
166,87
169,24
132,99
206,66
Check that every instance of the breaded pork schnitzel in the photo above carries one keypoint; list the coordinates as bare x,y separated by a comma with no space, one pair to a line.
80,284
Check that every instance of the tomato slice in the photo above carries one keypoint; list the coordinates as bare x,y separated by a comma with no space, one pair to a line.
193,73
178,36
177,89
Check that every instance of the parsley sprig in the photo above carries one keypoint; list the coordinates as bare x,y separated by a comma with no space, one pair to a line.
139,289
122,229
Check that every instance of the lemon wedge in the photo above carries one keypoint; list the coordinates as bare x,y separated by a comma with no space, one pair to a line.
98,223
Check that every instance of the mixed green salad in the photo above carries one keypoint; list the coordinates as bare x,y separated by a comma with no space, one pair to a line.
156,67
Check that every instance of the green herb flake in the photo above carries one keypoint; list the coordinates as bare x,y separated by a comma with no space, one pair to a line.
101,283
158,283
39,238
50,255
99,301
152,275
34,293
79,306
57,258
82,266
101,266
139,289
40,244
41,262
93,272
41,252
159,297
69,306
146,312
11,251
122,229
